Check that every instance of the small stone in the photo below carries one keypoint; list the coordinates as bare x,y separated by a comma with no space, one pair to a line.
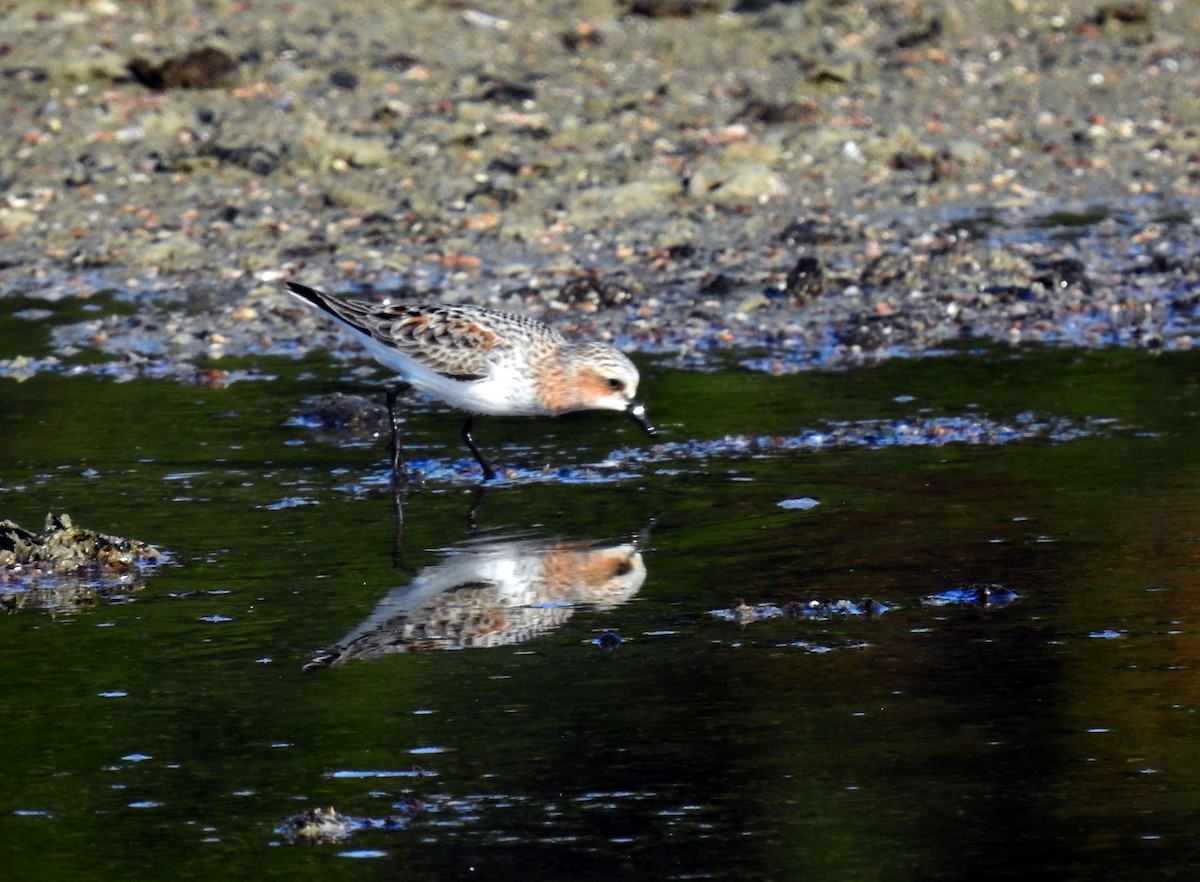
204,68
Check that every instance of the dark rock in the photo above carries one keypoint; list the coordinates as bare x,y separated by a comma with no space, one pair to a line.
344,79
805,281
719,284
1064,273
773,113
589,288
352,414
205,68
927,34
583,36
673,8
257,159
504,92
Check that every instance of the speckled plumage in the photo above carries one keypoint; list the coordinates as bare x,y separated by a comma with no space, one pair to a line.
497,592
485,361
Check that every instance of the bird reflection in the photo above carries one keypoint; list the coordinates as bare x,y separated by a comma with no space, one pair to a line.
494,592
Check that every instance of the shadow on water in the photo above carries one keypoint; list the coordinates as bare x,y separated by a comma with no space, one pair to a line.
873,715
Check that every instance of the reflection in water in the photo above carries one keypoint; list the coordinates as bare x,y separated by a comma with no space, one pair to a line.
493,593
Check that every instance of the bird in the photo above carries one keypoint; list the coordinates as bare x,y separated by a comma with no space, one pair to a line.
484,361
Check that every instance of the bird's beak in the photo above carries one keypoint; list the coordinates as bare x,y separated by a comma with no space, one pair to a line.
637,412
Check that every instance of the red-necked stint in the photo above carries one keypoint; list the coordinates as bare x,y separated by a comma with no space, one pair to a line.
485,361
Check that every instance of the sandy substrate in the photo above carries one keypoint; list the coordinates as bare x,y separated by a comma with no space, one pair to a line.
830,182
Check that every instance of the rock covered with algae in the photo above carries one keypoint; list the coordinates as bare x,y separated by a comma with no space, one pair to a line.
328,826
63,566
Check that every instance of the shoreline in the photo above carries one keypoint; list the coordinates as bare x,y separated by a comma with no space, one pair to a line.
833,183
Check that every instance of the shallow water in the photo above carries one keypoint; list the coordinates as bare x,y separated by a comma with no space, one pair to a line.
171,729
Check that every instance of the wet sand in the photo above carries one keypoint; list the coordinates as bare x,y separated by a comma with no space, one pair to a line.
828,183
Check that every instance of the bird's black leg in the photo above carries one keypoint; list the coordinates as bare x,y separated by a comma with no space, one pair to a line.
477,498
488,471
399,472
399,497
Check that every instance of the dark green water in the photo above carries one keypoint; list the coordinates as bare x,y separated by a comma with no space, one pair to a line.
167,732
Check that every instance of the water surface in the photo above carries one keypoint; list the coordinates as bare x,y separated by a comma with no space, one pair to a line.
168,730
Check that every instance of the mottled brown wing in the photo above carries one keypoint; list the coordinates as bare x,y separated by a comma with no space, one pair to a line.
441,338
451,340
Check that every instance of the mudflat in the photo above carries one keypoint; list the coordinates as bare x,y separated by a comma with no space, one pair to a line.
830,182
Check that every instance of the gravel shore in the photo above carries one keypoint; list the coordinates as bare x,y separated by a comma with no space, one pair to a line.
828,182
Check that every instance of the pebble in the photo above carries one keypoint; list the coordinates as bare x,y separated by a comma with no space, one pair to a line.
685,141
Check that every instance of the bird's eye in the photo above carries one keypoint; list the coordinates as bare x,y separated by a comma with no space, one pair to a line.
615,384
